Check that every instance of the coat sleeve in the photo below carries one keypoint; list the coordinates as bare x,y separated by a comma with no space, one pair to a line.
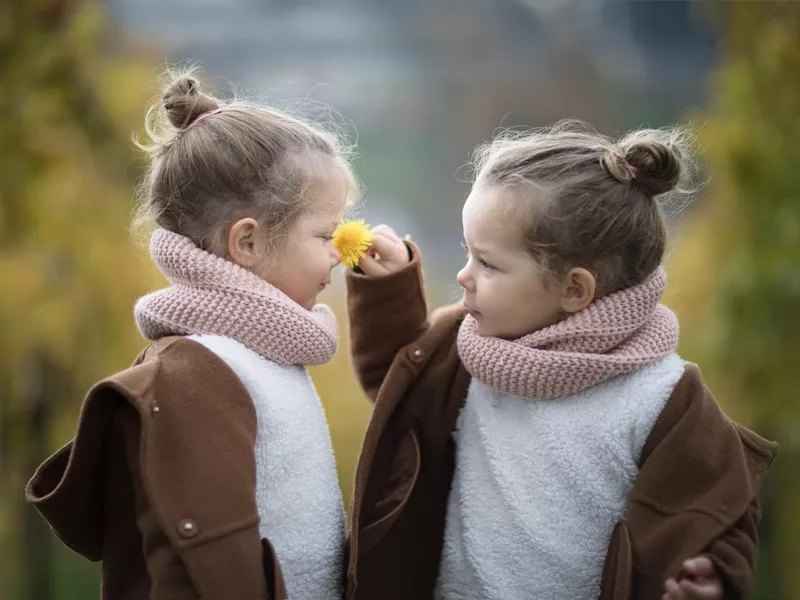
167,573
386,313
161,477
696,493
734,554
169,577
192,459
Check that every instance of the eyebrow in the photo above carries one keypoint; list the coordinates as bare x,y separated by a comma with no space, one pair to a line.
479,250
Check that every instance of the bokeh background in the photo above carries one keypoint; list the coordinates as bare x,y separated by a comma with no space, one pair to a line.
418,83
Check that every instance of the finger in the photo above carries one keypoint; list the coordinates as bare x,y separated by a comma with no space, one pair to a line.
701,591
384,230
673,590
371,267
384,244
700,566
389,241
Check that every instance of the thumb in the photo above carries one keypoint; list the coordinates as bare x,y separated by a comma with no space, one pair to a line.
371,267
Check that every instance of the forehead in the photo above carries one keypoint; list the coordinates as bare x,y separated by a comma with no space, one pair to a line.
493,214
328,194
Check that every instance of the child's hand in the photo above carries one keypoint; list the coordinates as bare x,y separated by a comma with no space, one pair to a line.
387,255
702,582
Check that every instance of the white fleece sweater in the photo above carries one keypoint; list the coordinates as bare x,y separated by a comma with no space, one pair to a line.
297,490
540,484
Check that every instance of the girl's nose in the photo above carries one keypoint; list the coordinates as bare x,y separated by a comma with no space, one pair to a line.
463,279
336,258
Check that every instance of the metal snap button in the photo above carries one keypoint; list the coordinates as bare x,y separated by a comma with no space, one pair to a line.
188,528
416,355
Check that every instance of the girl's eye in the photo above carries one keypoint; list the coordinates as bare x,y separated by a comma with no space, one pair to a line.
486,266
327,238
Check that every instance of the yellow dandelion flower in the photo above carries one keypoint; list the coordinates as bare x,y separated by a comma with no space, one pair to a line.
352,239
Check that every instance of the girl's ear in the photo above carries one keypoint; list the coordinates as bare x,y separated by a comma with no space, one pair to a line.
578,290
242,246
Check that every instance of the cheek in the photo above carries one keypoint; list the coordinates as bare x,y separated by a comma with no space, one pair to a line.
297,271
508,298
315,265
493,294
323,259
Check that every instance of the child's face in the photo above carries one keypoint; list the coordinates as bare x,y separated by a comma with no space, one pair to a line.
303,268
505,289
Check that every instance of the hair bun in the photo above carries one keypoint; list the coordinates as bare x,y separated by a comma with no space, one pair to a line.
656,165
618,166
183,102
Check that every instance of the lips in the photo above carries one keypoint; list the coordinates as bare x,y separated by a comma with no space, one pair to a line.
472,311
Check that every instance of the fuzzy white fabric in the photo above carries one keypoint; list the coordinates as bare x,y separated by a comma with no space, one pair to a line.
298,496
540,484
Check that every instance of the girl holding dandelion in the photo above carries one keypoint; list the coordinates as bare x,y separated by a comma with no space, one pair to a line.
543,439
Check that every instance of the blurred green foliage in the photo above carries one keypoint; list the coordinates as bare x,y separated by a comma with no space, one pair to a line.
67,268
736,265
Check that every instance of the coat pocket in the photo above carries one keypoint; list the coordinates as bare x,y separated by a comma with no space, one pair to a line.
618,569
394,494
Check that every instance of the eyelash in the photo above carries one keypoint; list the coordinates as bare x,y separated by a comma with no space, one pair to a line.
326,237
486,266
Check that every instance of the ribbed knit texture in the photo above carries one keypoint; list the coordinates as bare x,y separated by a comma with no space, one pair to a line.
617,334
211,295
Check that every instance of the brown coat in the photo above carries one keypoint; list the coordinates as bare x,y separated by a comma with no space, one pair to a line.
159,482
695,493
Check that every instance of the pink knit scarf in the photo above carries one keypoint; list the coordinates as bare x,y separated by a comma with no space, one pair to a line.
619,333
212,295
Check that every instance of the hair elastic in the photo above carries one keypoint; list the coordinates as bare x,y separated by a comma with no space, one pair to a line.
210,113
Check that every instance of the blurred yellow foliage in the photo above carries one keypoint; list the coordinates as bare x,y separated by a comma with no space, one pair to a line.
70,97
735,271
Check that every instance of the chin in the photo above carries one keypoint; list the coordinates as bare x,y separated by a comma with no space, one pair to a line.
484,331
306,303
